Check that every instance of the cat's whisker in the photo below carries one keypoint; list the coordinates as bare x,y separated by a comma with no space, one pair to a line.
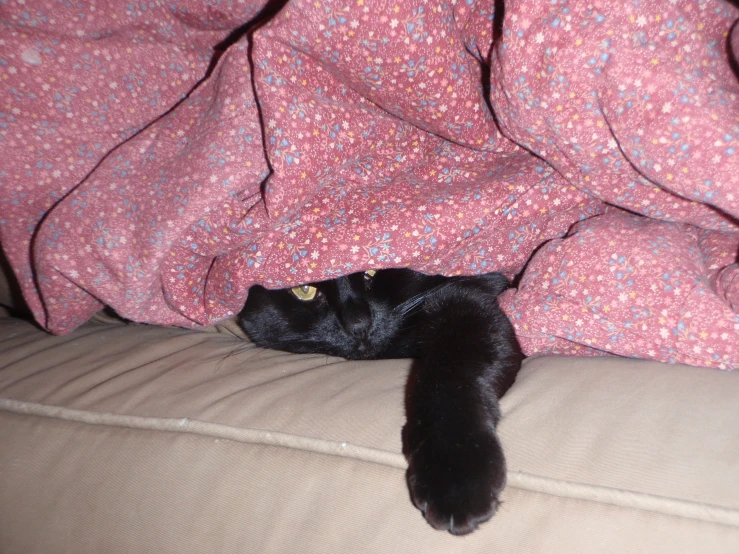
414,303
239,348
410,305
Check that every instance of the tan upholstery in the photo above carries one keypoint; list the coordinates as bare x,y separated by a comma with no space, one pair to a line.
136,439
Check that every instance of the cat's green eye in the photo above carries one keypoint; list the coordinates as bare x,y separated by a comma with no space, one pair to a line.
369,274
304,292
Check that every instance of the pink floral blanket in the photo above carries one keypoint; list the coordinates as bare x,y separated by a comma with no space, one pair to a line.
589,145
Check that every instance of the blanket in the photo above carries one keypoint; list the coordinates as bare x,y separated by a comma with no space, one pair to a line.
161,157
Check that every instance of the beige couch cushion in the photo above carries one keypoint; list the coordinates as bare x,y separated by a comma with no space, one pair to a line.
135,439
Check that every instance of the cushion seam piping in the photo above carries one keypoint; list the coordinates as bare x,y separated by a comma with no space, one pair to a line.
516,479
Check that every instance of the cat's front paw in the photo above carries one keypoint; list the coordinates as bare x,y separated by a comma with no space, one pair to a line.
454,481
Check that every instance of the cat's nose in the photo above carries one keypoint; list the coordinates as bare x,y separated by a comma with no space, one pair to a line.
357,327
357,320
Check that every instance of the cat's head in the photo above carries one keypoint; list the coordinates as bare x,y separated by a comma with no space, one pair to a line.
358,316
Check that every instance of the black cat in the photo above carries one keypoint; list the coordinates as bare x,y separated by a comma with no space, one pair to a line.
467,357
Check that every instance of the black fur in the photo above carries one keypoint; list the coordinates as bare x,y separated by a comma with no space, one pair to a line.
466,356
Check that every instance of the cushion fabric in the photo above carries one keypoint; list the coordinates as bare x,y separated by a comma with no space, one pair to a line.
134,439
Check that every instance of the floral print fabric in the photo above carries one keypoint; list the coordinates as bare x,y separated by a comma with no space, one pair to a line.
590,144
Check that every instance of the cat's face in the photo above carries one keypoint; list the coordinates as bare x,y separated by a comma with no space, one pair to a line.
359,316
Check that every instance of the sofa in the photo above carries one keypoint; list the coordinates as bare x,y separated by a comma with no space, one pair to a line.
129,438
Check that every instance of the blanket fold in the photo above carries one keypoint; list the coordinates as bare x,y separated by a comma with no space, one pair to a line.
592,143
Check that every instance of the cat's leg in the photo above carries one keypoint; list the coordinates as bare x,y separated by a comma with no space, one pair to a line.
469,357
